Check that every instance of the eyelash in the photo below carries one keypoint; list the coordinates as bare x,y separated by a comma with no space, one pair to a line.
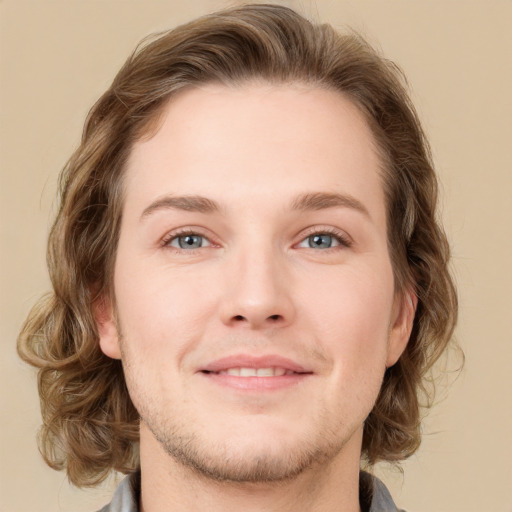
344,241
166,241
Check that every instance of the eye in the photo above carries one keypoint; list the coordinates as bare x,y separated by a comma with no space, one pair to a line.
188,241
320,241
324,240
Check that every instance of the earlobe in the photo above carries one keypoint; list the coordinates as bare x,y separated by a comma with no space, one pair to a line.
107,329
403,320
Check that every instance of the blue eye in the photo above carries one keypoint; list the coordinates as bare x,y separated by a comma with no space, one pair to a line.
323,241
189,241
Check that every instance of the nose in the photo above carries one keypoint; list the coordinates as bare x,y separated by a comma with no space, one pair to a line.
259,292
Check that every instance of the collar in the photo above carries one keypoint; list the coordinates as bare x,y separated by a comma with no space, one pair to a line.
373,495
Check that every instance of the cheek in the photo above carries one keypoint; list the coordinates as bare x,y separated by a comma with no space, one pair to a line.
350,319
161,311
351,313
162,317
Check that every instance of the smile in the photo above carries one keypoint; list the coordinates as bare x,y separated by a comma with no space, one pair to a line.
255,372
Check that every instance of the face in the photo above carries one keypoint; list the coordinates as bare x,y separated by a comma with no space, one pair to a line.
255,306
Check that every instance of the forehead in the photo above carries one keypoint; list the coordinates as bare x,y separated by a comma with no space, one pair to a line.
261,139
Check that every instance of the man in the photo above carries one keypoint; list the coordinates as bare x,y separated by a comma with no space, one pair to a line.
250,283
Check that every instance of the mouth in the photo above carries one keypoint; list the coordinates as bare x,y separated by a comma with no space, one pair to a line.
254,372
248,373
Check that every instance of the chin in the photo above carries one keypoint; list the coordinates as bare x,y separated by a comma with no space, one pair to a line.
255,466
256,457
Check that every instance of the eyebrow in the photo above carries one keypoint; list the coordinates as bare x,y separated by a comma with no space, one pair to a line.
322,200
303,202
187,203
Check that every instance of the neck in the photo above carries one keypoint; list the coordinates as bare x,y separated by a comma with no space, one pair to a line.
169,485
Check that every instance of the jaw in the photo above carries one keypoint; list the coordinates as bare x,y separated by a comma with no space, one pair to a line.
330,478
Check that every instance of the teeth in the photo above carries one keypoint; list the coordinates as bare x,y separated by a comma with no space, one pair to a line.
265,372
256,372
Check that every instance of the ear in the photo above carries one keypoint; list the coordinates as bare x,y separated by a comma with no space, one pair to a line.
107,328
404,311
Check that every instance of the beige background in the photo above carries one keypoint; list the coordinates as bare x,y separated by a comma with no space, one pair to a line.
56,59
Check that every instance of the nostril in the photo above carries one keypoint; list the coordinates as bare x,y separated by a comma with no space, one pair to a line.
254,319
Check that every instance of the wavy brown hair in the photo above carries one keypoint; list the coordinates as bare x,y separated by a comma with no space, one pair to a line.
90,425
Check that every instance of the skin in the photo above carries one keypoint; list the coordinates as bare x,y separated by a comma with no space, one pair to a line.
260,285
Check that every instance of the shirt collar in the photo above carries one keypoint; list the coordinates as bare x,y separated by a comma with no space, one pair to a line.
374,495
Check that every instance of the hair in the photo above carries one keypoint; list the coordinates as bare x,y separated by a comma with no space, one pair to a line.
90,425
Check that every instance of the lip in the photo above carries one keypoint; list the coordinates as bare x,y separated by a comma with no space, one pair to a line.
256,384
248,361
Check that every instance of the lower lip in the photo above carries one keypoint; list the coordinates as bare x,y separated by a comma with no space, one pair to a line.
256,383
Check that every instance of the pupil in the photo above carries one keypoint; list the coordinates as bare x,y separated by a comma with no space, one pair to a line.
322,241
189,241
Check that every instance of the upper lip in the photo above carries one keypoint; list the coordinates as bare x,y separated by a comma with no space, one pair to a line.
248,361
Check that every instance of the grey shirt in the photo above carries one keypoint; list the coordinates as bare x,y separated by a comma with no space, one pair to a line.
373,495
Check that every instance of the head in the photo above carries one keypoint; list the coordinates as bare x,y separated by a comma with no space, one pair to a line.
90,422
